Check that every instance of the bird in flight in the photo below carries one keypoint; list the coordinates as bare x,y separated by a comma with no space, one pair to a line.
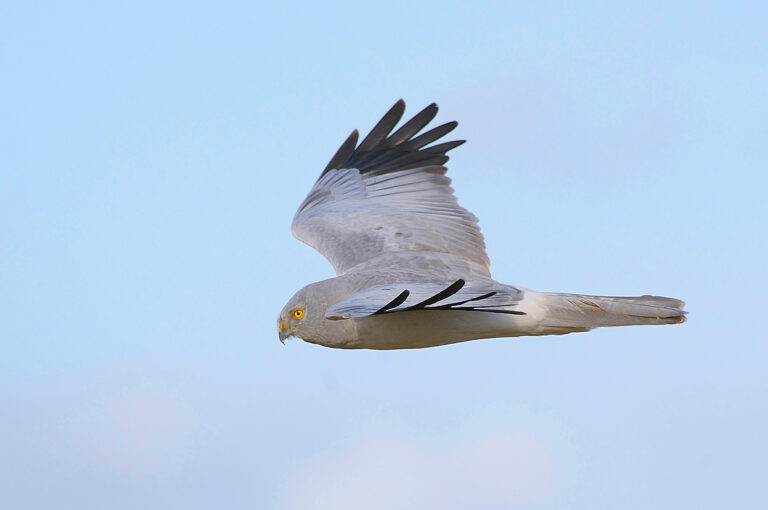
411,265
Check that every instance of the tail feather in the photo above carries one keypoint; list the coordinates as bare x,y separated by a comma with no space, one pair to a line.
582,312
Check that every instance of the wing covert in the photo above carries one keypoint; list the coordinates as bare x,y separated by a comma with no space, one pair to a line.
411,297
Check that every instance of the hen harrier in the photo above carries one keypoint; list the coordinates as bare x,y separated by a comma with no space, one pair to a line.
411,265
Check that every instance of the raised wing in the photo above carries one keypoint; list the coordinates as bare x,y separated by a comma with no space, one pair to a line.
423,296
390,194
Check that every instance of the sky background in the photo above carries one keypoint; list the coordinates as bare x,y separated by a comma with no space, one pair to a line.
152,157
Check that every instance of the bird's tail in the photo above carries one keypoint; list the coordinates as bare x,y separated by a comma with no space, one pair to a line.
577,312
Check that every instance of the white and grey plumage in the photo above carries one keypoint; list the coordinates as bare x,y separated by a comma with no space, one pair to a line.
410,261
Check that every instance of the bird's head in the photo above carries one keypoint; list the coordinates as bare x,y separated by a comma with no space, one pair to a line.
298,316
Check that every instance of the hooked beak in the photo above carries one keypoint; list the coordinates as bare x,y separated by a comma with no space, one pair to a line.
282,332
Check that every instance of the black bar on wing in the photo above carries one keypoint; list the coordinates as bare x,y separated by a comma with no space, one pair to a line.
475,309
445,293
395,302
459,303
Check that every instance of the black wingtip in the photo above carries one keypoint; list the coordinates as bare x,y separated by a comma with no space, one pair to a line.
382,128
345,151
430,136
403,149
410,128
444,147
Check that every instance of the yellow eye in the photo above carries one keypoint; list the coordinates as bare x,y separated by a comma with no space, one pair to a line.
298,313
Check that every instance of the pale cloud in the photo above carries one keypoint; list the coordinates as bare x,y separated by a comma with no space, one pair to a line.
496,471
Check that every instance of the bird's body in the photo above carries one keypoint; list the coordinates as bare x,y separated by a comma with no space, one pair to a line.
411,263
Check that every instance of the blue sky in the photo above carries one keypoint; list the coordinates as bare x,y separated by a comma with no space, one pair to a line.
152,157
